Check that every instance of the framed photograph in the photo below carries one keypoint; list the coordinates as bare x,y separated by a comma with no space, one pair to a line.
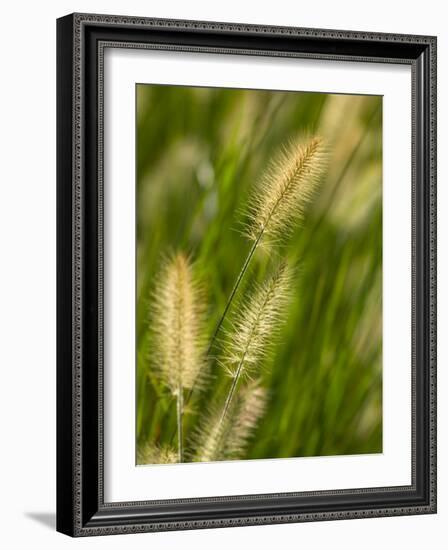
246,274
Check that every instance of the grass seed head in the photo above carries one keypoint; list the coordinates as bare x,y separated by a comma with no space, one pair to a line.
178,308
279,200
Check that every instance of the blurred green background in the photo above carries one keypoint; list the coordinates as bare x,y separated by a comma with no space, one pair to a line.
199,152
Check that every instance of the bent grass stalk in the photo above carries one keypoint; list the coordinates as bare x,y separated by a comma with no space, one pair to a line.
278,203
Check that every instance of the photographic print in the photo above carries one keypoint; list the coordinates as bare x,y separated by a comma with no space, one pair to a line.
259,274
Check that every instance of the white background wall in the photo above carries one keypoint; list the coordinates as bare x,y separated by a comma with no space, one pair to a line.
27,272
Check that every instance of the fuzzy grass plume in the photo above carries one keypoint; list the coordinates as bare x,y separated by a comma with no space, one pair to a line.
278,201
177,323
227,439
254,328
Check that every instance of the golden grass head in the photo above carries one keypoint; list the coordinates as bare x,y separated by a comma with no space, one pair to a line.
251,407
153,454
178,309
256,324
279,200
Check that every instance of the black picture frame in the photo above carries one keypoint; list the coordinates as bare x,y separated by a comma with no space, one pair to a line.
81,510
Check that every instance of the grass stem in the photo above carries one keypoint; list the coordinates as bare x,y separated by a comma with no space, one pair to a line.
180,424
231,393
